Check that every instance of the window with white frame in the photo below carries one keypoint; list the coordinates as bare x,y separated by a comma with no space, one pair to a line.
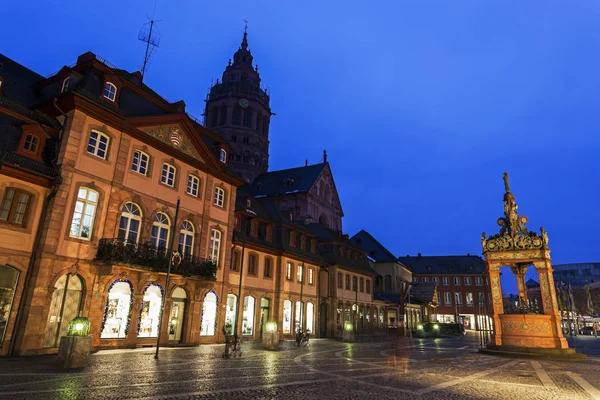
186,238
98,144
467,280
447,298
82,222
65,84
130,222
160,231
214,249
223,156
435,280
425,279
437,298
219,197
110,91
416,279
458,297
168,175
139,163
481,299
478,281
446,281
469,298
193,185
456,281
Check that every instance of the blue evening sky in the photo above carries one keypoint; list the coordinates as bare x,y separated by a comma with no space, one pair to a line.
420,104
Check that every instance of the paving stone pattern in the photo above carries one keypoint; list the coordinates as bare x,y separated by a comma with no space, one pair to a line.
381,368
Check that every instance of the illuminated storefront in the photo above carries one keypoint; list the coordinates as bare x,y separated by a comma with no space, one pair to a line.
287,317
117,311
248,316
230,313
150,312
209,315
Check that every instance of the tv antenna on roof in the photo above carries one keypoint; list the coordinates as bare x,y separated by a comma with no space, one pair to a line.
149,35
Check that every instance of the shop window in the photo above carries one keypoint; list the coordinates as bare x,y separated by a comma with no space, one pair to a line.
230,312
15,206
117,311
110,91
98,144
168,174
129,224
209,315
287,317
150,312
298,317
214,249
65,84
9,277
139,163
83,215
31,143
193,185
64,306
186,238
310,316
219,200
248,316
177,312
160,231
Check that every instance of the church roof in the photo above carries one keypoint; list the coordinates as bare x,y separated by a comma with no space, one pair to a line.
285,181
531,283
444,265
375,250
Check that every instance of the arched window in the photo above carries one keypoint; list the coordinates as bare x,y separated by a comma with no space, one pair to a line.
31,143
223,156
160,231
139,163
209,315
83,215
230,313
298,317
117,311
65,84
8,284
64,306
186,238
98,144
129,225
110,91
150,311
248,316
177,312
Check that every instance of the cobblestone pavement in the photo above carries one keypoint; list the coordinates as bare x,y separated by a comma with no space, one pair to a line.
449,368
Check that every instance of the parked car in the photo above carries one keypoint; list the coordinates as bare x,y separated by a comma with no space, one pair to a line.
586,330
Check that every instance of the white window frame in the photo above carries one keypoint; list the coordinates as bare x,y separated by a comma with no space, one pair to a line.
214,248
447,298
96,147
467,281
223,156
192,189
162,225
446,281
435,279
458,298
467,294
141,158
109,94
437,298
88,208
129,215
219,199
65,84
425,279
478,281
186,229
164,175
456,281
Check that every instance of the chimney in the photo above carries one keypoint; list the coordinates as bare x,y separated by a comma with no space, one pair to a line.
306,163
137,77
86,57
179,106
324,156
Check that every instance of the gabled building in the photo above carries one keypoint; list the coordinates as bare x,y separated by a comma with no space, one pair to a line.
126,158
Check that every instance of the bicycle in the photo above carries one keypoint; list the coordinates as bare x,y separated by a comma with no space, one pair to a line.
302,337
233,347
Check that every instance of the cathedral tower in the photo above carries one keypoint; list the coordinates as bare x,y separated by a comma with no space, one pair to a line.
237,108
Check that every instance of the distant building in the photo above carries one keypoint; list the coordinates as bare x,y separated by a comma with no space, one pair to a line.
577,274
462,294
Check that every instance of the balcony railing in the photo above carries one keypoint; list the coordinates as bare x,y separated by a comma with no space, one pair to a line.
154,259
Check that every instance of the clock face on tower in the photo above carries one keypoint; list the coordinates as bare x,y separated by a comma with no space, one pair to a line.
244,103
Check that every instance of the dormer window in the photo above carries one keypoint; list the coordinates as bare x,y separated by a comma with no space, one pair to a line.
65,84
110,91
293,239
223,156
269,233
31,143
254,228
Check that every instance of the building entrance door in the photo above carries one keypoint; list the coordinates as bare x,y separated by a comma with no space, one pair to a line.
264,314
176,317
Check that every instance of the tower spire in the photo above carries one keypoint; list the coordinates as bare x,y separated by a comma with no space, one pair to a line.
244,45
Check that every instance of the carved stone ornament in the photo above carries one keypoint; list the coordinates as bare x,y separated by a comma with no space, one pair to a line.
513,233
74,268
